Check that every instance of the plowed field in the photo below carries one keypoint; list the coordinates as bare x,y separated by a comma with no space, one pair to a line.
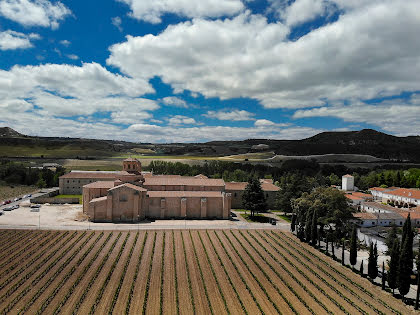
178,272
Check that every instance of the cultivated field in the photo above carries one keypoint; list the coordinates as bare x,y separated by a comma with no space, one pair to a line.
177,272
8,192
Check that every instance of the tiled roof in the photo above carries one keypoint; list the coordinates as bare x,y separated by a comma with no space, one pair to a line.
182,194
100,184
138,188
413,214
383,189
92,174
379,206
351,197
181,181
362,195
98,199
405,192
365,215
347,175
242,186
389,216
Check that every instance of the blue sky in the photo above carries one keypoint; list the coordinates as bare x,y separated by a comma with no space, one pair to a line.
193,71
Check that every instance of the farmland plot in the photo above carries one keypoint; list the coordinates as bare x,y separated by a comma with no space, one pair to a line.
178,272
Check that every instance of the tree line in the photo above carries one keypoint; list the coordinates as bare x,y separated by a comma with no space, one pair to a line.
21,174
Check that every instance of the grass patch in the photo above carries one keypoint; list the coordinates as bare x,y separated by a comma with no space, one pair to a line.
71,196
258,218
285,217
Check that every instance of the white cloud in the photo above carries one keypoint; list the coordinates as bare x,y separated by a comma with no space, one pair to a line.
155,133
116,21
299,11
174,101
395,117
128,117
234,115
152,10
65,42
358,57
263,123
181,120
11,40
72,56
34,12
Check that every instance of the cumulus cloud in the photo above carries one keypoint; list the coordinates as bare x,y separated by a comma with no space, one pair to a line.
11,40
263,123
155,133
234,115
34,12
174,101
181,120
152,10
299,11
396,117
357,57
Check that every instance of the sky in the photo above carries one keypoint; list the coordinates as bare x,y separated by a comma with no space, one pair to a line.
167,71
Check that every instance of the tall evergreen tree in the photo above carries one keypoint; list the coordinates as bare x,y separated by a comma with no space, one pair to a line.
342,254
405,267
314,228
293,223
393,264
361,269
353,247
372,262
253,198
390,238
308,226
383,275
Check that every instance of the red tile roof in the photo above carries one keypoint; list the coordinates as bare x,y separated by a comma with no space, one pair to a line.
100,184
405,192
138,188
362,195
182,181
351,197
182,194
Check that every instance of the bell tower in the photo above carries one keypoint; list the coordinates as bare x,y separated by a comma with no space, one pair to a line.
132,166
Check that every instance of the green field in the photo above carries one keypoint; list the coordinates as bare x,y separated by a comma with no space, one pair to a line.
71,196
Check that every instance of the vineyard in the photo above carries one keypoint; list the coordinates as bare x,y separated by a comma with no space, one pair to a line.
178,272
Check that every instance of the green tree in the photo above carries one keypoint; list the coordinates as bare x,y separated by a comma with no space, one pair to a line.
393,263
293,223
308,226
373,262
253,198
405,267
353,247
391,236
314,228
361,269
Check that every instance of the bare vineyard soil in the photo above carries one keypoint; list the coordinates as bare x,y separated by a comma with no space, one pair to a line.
178,272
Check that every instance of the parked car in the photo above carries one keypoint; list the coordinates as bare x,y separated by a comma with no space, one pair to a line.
8,201
1,212
35,206
15,207
34,209
3,203
8,209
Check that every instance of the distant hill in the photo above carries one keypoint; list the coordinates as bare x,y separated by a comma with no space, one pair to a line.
364,142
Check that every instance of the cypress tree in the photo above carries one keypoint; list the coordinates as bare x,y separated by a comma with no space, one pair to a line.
393,265
353,247
383,275
405,268
332,250
361,269
293,223
372,262
342,255
308,226
314,228
390,238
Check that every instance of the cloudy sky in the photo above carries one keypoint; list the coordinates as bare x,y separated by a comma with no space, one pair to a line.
200,70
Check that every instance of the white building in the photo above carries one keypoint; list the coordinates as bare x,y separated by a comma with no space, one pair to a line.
347,183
